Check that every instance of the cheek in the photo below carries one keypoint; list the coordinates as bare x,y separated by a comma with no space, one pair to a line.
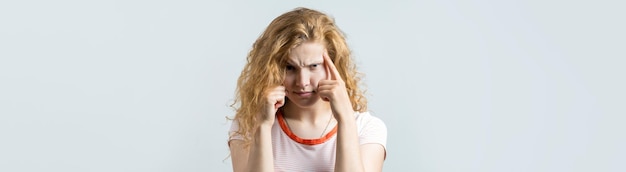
288,79
317,76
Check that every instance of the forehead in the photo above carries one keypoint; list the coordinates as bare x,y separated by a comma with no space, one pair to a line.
307,52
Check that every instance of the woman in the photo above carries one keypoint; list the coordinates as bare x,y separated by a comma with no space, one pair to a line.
298,104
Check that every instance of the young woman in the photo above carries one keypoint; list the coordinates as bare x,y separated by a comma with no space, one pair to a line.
298,104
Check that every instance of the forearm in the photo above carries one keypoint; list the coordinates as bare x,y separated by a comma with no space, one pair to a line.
261,157
348,147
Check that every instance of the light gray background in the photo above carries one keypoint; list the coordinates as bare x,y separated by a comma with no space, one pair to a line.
480,85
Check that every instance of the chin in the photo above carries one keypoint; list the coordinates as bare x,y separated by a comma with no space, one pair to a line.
305,103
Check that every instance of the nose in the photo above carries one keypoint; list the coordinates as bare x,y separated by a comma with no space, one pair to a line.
303,78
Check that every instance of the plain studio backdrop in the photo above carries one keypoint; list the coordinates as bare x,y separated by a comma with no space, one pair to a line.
482,85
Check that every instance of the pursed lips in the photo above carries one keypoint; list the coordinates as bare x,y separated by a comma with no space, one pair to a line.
303,92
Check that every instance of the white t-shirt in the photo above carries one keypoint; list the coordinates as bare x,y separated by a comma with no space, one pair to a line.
292,153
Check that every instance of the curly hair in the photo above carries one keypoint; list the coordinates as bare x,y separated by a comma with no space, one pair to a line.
265,67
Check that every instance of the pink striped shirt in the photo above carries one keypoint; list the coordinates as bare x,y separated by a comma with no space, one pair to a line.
292,153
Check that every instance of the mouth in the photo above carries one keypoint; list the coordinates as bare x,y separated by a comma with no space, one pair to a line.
304,93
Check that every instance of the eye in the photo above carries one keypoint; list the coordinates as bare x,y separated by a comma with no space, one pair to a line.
314,65
289,67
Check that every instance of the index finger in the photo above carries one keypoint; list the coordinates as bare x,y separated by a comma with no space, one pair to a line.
331,70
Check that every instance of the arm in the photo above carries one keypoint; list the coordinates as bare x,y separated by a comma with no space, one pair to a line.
373,156
348,151
351,155
259,157
238,155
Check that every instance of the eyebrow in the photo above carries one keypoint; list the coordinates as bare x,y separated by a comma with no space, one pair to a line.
314,63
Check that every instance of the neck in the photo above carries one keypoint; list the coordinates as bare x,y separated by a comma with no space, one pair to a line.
318,112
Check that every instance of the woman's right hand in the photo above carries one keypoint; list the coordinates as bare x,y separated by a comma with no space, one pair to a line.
274,99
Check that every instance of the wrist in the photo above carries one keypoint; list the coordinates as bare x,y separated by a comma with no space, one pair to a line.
345,117
264,126
264,119
260,131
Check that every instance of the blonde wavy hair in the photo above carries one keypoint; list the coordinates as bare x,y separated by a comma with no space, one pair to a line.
265,67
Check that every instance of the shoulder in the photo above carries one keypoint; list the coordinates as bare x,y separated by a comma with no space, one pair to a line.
367,121
371,129
366,117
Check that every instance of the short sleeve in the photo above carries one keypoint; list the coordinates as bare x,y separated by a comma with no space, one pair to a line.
371,129
232,132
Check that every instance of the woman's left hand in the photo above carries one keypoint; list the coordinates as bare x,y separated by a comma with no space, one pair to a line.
333,89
